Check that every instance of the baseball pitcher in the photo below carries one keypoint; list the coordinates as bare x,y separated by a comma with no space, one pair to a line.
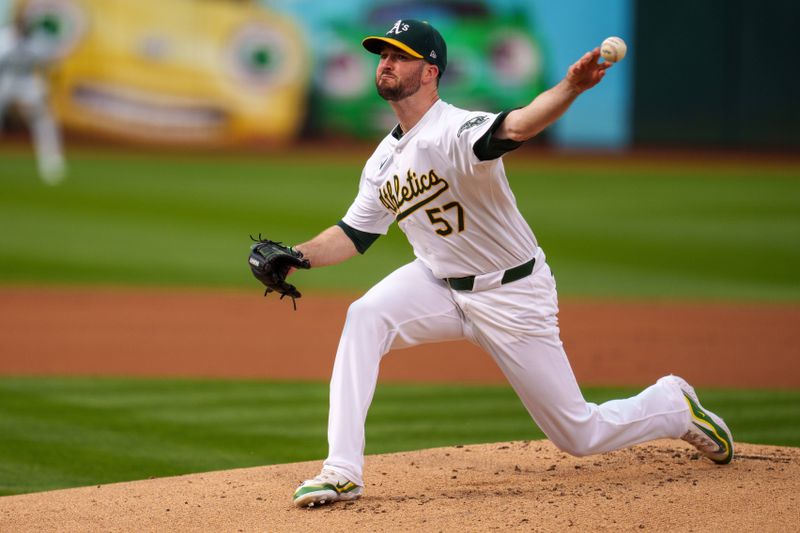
479,273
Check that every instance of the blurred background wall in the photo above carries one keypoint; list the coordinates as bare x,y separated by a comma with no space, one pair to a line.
716,73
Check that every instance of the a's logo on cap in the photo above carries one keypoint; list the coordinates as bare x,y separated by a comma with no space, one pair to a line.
398,28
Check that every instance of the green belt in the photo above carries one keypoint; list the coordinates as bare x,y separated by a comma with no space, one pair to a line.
512,274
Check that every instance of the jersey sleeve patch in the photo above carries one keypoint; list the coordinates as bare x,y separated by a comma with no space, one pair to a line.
361,239
487,147
471,123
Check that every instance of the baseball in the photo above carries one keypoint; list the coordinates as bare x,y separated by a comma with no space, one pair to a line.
613,49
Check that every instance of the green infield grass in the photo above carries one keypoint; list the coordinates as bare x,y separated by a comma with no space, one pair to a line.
699,229
66,432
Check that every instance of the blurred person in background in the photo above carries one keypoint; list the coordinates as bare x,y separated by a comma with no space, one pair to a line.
23,56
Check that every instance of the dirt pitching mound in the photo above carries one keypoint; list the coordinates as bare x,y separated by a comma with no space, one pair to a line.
517,486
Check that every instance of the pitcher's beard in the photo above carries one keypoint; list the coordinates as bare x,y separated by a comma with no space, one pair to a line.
400,90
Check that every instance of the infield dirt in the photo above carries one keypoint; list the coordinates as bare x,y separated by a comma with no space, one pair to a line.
518,486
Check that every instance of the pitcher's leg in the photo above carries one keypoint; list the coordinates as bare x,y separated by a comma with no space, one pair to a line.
408,307
527,348
545,383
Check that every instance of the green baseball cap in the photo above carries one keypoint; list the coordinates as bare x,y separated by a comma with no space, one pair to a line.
414,37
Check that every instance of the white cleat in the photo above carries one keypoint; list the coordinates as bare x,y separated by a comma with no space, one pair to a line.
327,487
52,173
708,432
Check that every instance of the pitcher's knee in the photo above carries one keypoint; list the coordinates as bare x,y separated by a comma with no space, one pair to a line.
577,449
367,315
361,310
576,440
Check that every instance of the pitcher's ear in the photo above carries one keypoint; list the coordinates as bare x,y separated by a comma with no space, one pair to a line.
433,69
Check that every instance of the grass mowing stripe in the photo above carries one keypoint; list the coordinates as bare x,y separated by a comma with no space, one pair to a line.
684,230
61,432
68,438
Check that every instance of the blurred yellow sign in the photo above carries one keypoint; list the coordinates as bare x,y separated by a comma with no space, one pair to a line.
174,71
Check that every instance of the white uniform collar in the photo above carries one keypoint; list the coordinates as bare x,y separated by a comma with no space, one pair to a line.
429,116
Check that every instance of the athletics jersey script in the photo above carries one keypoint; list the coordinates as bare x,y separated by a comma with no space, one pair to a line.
403,198
457,211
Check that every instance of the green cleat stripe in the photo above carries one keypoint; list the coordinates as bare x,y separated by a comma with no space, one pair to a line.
715,432
302,491
338,489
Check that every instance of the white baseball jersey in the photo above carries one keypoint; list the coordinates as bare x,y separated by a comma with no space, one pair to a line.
457,211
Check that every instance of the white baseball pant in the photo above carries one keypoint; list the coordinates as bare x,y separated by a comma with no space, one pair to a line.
517,325
30,93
